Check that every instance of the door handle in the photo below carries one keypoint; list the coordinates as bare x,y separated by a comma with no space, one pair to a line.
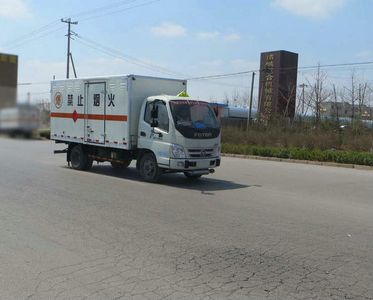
142,133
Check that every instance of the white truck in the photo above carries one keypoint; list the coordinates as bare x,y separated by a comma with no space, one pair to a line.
21,120
123,118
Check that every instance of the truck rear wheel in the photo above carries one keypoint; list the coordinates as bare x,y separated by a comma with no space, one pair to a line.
79,158
149,170
122,165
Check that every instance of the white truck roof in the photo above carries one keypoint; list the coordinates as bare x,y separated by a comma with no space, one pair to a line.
117,76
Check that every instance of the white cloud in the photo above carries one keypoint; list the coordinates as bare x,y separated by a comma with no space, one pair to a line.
212,35
168,30
14,9
244,64
232,37
208,35
365,54
213,63
310,8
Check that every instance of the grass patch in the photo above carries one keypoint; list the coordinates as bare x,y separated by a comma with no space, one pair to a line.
45,133
325,136
324,142
337,156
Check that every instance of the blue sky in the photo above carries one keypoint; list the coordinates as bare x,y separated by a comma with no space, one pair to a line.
191,38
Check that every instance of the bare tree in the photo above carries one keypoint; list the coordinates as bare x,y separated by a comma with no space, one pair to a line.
237,99
318,93
287,94
351,95
299,110
362,99
358,96
226,99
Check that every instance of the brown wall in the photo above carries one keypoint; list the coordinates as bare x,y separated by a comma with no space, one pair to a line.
278,84
8,79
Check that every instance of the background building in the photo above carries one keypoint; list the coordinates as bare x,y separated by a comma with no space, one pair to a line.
332,109
8,80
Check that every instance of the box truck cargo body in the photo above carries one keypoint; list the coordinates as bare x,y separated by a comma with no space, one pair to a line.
124,118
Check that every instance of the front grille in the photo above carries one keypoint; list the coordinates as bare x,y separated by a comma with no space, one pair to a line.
200,153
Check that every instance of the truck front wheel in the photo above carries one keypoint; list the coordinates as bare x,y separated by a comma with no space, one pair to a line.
79,158
149,170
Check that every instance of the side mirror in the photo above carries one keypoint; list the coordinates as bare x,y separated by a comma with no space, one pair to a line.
154,116
154,112
154,124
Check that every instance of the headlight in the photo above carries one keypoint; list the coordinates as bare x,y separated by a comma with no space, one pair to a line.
177,151
217,150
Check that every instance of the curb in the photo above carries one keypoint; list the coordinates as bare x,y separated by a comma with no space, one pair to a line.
295,161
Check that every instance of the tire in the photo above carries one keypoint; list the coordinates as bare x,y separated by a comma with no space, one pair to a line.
89,164
192,177
79,158
123,165
148,167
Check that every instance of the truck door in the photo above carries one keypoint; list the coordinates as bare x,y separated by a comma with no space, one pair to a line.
95,112
156,139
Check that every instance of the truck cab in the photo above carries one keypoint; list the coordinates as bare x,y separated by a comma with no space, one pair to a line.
182,134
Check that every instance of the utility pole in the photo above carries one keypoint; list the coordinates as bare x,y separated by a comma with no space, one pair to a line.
72,62
69,23
336,103
251,99
302,86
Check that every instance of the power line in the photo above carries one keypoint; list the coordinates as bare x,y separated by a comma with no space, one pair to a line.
210,81
103,8
118,54
38,93
223,75
35,37
49,28
33,83
338,65
282,69
33,32
43,31
119,10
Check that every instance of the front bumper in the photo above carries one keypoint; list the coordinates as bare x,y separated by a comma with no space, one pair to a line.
194,164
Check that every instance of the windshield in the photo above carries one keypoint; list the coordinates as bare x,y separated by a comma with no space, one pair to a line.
195,119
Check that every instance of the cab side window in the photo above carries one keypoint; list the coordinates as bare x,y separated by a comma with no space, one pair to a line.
148,112
163,121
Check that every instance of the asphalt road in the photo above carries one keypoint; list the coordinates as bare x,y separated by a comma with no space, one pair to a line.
254,230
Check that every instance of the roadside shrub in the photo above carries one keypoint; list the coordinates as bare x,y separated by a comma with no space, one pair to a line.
338,156
45,133
325,136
